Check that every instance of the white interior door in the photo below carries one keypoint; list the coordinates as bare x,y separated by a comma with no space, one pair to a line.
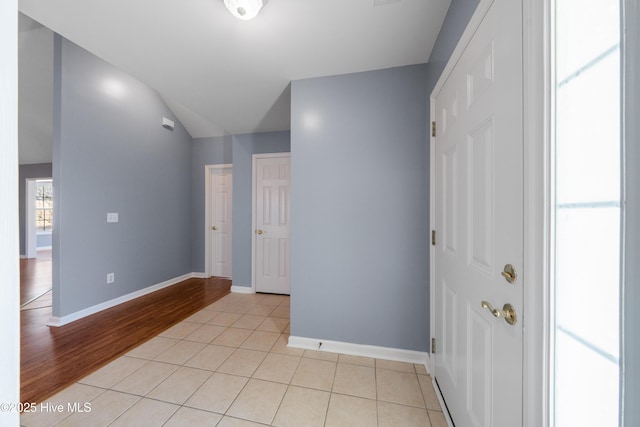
478,220
271,237
221,221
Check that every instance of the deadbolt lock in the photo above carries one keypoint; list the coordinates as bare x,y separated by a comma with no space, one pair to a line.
509,273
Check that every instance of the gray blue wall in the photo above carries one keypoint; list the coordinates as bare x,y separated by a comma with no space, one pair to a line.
111,154
32,171
244,147
455,22
205,151
349,269
43,240
359,215
238,150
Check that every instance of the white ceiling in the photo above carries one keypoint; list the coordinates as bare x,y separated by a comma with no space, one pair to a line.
223,75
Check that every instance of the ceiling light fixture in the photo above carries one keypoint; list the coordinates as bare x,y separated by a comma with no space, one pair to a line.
244,9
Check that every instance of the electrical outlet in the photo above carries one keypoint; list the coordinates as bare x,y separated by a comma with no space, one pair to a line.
112,217
111,277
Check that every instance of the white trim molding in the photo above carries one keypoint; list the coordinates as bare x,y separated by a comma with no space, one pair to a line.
376,352
9,223
69,318
242,290
537,57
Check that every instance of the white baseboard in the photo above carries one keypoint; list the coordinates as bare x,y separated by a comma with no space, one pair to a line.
199,275
23,256
388,353
242,290
61,321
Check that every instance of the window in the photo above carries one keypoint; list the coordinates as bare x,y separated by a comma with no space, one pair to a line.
587,213
44,206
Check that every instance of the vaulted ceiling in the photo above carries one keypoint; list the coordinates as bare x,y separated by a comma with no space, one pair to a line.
223,75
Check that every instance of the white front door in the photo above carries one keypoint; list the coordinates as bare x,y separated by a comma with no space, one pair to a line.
271,232
221,221
479,223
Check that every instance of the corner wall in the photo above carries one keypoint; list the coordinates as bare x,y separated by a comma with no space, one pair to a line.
244,147
205,151
111,154
455,22
359,213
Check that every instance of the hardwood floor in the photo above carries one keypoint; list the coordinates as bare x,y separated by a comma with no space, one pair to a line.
54,358
35,276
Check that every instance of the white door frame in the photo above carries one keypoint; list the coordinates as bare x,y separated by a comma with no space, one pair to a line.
537,196
254,167
208,217
9,223
30,235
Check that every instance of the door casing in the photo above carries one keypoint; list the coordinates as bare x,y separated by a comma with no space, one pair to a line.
30,239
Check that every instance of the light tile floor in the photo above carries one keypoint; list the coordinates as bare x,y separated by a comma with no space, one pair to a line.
229,365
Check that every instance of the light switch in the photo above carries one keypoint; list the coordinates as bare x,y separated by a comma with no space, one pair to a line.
112,217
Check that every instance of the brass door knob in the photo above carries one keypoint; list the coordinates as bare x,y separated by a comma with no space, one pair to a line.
260,231
214,228
507,312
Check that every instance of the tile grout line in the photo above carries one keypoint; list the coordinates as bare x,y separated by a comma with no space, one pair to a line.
332,392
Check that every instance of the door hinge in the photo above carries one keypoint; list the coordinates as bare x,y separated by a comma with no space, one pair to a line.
433,237
433,345
433,129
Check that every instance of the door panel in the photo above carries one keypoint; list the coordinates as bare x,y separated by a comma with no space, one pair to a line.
450,331
479,361
272,224
478,213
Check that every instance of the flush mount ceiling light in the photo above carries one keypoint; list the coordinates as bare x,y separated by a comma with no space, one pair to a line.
244,9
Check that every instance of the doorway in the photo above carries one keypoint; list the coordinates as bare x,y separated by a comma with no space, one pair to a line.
36,267
218,220
271,207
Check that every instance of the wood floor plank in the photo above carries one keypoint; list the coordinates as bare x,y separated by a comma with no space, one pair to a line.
35,274
54,358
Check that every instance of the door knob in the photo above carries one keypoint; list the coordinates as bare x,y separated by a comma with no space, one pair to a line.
214,228
509,273
260,231
507,312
